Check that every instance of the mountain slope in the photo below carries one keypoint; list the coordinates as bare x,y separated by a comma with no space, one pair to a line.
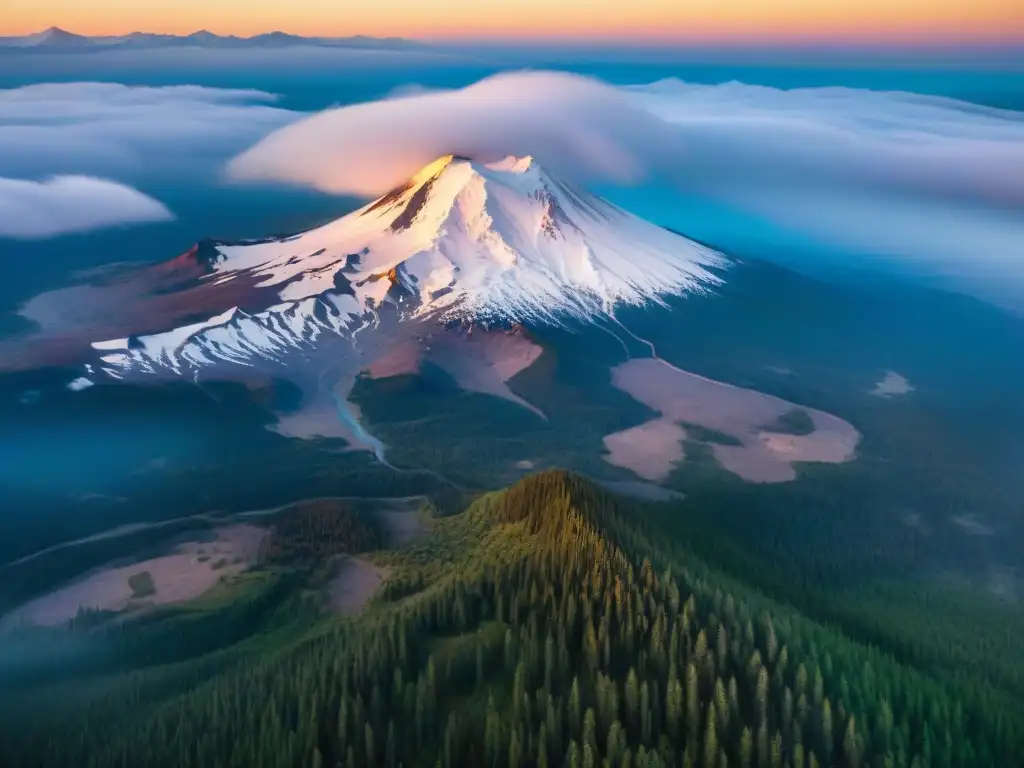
484,243
539,627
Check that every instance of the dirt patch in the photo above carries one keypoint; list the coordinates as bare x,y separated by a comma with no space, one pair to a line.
753,466
404,525
892,384
508,353
760,456
478,361
316,418
484,361
355,582
188,572
403,358
649,450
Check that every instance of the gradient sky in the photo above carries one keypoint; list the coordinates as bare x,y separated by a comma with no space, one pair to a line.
719,20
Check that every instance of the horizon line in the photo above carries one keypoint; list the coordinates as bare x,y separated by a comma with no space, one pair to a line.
922,40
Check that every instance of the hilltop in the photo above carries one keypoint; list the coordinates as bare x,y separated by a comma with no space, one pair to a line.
541,626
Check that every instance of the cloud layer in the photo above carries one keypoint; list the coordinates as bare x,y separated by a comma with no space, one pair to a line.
71,153
68,204
931,181
928,145
120,131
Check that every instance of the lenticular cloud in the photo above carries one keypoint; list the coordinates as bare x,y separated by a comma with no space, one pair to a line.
575,127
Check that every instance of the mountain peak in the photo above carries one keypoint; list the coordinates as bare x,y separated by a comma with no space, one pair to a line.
513,164
462,240
53,36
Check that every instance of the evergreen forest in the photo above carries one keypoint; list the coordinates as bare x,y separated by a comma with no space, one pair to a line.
548,624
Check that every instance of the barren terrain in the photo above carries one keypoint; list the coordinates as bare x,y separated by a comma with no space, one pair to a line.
354,583
649,450
763,456
186,573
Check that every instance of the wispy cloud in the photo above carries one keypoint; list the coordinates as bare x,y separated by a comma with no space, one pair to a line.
907,143
124,131
926,184
68,204
71,154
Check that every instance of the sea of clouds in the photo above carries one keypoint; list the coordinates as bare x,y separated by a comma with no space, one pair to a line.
898,176
70,152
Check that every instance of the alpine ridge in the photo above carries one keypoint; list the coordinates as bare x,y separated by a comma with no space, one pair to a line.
480,243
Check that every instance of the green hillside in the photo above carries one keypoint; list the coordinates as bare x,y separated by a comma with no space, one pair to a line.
550,624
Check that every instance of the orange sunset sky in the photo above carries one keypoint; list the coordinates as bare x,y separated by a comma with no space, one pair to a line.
727,20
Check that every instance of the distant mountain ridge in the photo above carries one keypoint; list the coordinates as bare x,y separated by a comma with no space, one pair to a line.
56,39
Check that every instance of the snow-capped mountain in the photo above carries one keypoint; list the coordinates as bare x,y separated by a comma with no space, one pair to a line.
480,243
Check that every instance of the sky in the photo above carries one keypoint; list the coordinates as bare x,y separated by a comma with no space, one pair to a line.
925,21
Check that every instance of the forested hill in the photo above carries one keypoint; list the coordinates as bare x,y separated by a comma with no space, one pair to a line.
551,625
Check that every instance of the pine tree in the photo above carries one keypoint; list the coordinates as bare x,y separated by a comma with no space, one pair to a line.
826,729
590,731
763,746
391,750
549,663
514,749
692,702
851,747
645,713
746,749
590,652
573,756
710,739
632,699
575,721
762,693
370,751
